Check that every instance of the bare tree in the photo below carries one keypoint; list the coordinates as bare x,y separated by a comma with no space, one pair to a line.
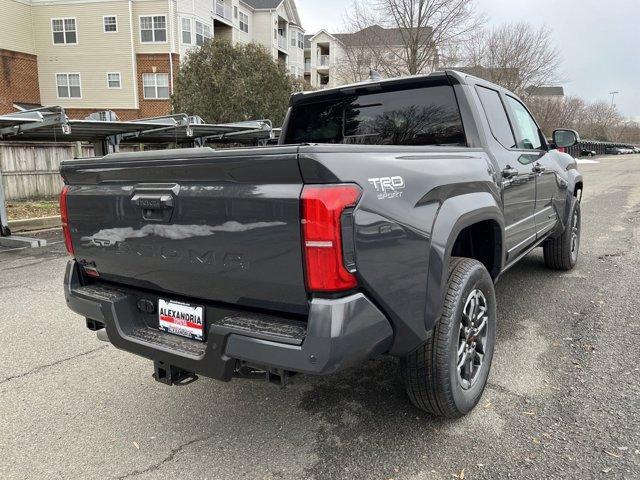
552,113
627,132
600,121
402,37
516,56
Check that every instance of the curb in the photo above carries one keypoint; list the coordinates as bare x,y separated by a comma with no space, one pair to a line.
29,224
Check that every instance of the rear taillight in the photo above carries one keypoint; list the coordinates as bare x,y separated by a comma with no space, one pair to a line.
64,217
322,208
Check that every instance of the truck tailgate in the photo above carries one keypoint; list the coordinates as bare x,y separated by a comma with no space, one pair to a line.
221,226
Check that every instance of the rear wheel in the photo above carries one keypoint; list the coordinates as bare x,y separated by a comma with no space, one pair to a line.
447,375
562,253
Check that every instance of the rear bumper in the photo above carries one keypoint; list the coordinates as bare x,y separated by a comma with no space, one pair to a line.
339,333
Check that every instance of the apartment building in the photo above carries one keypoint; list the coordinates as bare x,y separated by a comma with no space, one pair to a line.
123,55
339,58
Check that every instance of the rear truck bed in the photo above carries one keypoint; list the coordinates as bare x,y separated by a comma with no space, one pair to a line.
220,233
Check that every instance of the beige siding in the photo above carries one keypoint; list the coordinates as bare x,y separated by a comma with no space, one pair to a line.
263,25
296,55
17,27
242,36
151,7
95,54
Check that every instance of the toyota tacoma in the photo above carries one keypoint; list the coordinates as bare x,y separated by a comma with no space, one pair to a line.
378,225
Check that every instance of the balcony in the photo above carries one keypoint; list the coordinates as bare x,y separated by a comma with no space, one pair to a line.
307,65
323,61
282,42
223,10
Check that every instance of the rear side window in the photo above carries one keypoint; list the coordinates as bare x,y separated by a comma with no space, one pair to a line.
417,116
497,116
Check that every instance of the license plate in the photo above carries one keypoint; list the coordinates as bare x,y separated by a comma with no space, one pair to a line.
181,319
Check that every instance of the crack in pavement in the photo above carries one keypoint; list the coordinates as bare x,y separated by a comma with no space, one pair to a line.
52,364
169,458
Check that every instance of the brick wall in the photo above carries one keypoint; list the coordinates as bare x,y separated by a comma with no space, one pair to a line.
19,83
154,63
123,114
18,79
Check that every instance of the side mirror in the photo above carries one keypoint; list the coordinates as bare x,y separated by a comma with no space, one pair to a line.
565,138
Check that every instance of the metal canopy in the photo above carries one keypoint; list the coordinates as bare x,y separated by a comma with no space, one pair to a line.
51,124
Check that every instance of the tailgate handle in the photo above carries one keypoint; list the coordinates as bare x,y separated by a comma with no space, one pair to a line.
153,202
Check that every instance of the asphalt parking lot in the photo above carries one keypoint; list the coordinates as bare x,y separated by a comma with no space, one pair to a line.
563,398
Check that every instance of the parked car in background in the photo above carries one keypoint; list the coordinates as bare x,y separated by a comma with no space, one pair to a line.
636,149
614,151
587,153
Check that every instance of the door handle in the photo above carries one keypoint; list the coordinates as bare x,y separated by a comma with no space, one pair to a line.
538,168
509,172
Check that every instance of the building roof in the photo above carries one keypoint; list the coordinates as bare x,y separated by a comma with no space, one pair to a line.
546,91
307,41
290,7
373,34
263,4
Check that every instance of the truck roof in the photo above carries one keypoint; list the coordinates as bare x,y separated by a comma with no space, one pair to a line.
439,77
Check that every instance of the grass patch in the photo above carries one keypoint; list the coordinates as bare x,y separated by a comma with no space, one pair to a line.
32,209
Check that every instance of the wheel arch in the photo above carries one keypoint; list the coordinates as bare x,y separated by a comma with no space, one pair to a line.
456,216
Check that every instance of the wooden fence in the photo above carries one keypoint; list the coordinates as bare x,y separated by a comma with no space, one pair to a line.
32,170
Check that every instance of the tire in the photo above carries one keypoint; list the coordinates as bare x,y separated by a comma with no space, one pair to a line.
562,253
430,373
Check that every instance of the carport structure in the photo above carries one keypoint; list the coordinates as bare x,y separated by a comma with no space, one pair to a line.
106,133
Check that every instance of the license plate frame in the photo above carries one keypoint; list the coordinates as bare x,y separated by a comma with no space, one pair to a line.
182,319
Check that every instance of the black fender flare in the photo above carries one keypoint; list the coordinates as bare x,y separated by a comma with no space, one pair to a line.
454,215
574,177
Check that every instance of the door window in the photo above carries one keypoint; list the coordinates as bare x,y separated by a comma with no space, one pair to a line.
527,133
496,116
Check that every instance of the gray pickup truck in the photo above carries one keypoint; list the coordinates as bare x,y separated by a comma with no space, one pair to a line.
379,225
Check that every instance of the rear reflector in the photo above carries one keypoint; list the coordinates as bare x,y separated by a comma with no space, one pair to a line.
322,207
64,217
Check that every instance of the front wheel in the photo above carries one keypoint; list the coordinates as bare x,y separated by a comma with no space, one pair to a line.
447,374
562,253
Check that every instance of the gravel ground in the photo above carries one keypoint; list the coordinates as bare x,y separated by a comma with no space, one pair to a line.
563,398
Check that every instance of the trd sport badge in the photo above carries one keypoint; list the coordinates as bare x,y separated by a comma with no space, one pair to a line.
388,187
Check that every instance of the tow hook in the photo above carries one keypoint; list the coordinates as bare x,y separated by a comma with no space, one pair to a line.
172,375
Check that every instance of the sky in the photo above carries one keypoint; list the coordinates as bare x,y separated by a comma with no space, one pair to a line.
598,40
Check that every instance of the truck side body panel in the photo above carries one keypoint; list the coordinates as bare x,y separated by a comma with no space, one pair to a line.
395,224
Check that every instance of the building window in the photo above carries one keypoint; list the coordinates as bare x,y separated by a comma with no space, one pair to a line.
68,85
294,38
113,80
153,29
301,41
156,85
110,23
186,31
203,33
244,22
64,31
235,12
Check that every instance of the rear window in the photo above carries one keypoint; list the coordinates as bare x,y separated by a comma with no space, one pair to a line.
417,116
